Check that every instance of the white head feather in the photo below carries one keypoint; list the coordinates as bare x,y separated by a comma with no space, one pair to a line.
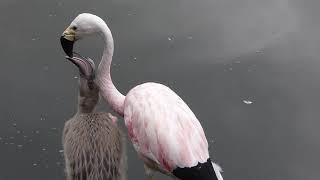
86,24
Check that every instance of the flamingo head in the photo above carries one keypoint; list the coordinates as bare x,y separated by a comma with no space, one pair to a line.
86,68
83,25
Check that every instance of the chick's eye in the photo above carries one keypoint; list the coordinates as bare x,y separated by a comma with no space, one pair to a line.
74,28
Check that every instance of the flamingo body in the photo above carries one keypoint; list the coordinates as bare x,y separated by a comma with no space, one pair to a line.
163,129
93,149
93,143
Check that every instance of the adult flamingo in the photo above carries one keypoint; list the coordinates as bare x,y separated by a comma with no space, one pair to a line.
164,131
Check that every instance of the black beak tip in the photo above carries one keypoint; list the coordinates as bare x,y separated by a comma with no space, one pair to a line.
67,46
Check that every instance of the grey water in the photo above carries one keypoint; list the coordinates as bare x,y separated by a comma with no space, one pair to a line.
249,70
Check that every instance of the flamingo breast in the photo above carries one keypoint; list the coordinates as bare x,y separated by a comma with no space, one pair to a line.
162,127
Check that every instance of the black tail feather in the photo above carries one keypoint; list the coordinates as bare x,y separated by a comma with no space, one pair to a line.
202,171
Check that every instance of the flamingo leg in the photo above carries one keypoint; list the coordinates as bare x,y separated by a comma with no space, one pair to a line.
149,172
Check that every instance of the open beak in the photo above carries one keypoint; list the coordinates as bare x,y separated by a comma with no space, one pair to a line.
86,66
67,40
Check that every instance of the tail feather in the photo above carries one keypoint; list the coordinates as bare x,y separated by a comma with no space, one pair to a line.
202,171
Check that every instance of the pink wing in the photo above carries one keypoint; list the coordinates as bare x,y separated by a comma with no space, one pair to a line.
163,128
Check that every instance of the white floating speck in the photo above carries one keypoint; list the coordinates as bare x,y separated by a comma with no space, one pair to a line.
259,51
61,151
19,145
34,164
247,102
75,77
169,38
14,125
37,132
18,132
44,149
189,37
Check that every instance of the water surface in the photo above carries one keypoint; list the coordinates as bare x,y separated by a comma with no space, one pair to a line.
248,69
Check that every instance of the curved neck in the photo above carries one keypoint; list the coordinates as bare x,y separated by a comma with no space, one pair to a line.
107,89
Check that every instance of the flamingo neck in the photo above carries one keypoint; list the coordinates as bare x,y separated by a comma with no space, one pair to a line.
87,98
107,89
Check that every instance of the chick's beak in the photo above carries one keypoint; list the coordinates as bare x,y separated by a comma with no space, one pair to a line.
67,40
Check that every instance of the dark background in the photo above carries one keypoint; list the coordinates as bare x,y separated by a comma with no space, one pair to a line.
249,70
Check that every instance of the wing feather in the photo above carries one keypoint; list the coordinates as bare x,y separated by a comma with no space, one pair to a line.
163,128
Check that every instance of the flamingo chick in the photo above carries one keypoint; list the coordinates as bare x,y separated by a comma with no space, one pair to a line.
92,142
164,131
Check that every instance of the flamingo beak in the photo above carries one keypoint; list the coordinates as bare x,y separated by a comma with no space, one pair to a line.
86,66
67,40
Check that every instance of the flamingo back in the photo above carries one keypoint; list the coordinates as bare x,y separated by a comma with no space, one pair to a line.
163,129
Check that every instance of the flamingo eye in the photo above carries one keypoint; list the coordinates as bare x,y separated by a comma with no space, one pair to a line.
74,28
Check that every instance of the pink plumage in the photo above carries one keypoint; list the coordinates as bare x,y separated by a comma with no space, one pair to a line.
163,128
